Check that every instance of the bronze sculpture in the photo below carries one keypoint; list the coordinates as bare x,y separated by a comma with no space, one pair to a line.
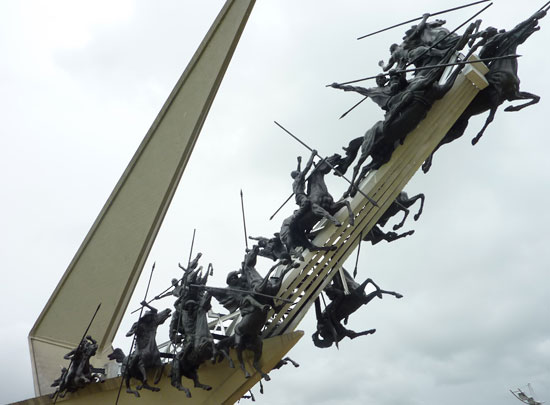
146,355
329,321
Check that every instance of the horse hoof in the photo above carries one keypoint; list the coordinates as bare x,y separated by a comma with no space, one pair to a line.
267,378
155,389
207,388
398,296
133,392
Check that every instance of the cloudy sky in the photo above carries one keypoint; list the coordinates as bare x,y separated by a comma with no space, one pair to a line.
83,81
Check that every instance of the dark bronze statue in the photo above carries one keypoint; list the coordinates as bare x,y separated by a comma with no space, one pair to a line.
146,355
80,372
381,94
401,203
273,248
183,318
316,200
502,77
197,345
195,352
253,294
406,111
314,204
294,233
329,322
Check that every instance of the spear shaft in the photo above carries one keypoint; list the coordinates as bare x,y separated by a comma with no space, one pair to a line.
419,18
240,291
434,67
244,221
191,250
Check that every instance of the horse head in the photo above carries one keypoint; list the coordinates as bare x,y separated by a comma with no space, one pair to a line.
163,316
326,165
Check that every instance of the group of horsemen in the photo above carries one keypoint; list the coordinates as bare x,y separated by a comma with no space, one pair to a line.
405,102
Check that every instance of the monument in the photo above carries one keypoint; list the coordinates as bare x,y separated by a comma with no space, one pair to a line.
308,252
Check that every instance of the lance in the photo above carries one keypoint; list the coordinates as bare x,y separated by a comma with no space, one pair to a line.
331,166
79,344
244,221
240,291
191,250
449,34
358,251
134,338
427,50
352,108
435,67
419,18
290,196
543,7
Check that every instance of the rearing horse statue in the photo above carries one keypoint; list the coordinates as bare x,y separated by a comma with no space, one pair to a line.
502,77
329,326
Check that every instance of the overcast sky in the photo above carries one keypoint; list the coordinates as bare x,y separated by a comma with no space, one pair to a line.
83,81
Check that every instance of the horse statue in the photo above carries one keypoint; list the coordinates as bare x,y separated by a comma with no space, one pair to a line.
198,343
407,109
319,196
314,204
401,203
329,327
201,348
80,372
502,77
253,307
146,355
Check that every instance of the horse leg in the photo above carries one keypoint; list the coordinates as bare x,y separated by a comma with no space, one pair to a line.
321,212
523,95
257,355
198,384
175,379
288,359
335,207
406,212
392,236
489,119
353,186
352,335
159,373
241,361
226,356
129,389
351,153
420,197
395,294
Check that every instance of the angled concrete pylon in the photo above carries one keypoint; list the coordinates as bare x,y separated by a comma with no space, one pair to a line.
109,262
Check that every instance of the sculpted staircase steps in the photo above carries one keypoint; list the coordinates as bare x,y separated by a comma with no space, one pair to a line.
304,284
